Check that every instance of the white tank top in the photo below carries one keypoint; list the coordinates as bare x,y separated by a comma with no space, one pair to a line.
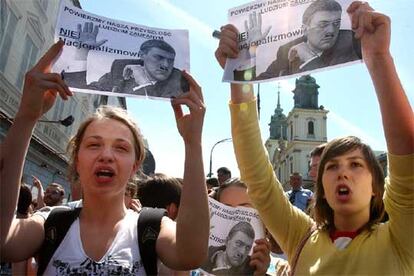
122,258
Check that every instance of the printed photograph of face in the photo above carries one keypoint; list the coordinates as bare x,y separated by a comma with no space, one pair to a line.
238,246
322,30
158,63
232,256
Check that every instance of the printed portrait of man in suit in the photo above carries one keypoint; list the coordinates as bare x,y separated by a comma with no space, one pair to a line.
151,74
323,44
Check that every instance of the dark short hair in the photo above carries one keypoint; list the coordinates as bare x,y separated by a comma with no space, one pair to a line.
213,181
156,43
324,215
319,5
25,199
231,182
241,226
159,192
224,170
317,151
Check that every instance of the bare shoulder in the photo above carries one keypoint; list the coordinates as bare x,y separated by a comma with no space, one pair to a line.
24,239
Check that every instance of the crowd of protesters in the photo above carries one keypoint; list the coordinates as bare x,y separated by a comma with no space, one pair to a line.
333,230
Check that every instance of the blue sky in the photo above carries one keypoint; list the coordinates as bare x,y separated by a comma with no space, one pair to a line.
346,92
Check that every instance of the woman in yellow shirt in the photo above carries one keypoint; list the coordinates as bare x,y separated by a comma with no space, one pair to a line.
350,197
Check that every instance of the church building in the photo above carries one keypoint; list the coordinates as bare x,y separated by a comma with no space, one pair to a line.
293,137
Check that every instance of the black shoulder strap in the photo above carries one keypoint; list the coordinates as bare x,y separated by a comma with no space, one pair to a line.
56,226
149,224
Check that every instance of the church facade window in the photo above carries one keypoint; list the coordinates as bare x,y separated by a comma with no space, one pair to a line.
311,128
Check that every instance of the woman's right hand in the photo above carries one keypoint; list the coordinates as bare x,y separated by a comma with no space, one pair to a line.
41,87
228,47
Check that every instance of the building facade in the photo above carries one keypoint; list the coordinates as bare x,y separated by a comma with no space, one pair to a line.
293,137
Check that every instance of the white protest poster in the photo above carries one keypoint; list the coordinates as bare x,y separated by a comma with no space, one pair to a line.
117,58
232,235
284,38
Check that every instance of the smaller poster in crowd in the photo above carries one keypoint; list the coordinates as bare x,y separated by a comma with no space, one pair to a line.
116,58
284,38
232,235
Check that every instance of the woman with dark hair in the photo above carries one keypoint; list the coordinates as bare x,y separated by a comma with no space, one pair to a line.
325,205
106,153
348,238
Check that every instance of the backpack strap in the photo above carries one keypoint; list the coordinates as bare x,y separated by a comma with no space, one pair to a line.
300,247
56,226
149,224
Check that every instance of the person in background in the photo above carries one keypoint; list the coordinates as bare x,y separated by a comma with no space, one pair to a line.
212,184
24,210
24,202
52,196
223,174
298,196
131,202
161,191
315,157
233,192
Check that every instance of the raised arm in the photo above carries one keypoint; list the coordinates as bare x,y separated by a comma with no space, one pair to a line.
256,170
20,238
374,30
185,247
40,193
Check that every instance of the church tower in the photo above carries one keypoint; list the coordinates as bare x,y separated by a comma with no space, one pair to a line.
278,132
303,129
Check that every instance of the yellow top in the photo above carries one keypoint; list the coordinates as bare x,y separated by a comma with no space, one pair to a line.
387,250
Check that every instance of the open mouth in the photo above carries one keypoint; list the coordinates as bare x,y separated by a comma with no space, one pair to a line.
104,174
343,192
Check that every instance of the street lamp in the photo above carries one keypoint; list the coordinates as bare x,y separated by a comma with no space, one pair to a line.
211,154
65,122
